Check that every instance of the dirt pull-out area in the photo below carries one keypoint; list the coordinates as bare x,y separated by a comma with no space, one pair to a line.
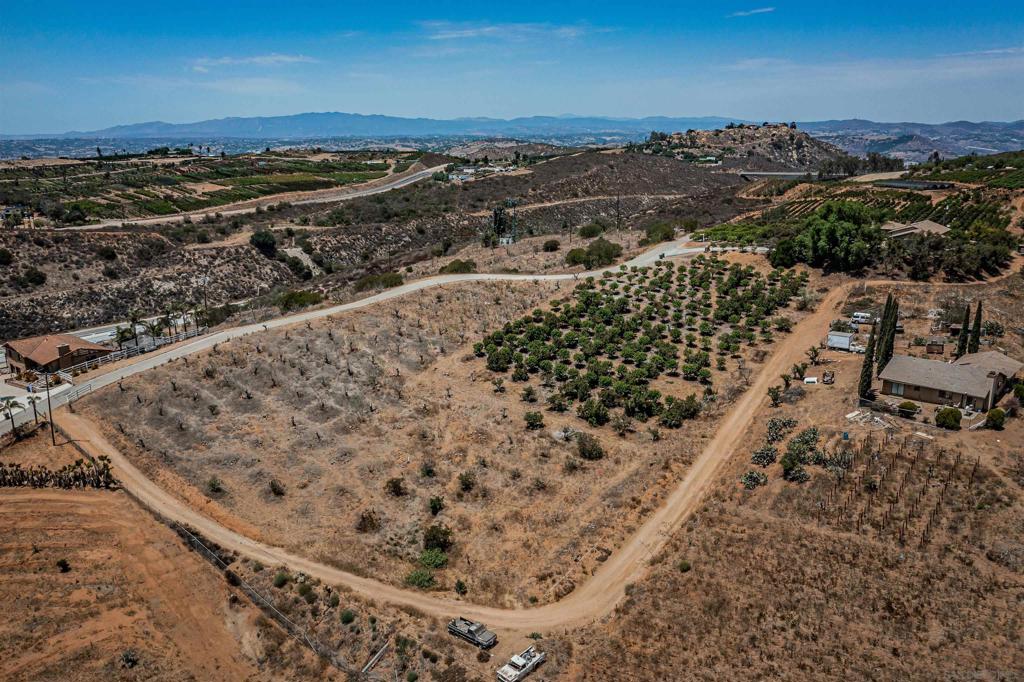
94,588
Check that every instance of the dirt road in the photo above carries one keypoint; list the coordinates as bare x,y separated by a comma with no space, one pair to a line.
592,600
320,196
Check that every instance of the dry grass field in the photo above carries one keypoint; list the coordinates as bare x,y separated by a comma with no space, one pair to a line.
346,439
892,573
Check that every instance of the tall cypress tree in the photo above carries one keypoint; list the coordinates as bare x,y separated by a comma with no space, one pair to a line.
886,312
888,341
867,369
961,341
975,341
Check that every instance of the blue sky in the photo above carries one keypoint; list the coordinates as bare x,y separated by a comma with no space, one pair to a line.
88,64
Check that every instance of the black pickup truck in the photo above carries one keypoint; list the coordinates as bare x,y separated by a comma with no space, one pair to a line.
476,634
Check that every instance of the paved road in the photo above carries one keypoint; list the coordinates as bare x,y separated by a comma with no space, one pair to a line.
302,199
157,358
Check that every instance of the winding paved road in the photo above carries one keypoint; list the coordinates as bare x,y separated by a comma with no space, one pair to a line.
320,196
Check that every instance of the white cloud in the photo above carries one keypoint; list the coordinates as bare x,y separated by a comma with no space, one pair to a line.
446,30
204,64
751,12
998,51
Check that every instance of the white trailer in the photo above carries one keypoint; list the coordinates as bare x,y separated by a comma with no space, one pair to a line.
840,340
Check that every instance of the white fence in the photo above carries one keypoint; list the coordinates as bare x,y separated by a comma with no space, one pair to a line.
68,373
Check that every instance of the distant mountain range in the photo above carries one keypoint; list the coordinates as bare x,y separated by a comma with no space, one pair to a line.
908,140
336,124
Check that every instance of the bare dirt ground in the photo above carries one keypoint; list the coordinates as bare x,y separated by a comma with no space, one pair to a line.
131,585
334,411
774,588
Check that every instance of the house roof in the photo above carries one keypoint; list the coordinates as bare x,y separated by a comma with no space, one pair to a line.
929,226
965,379
898,229
991,361
42,350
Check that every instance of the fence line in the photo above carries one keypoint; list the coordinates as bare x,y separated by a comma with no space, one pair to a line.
67,374
256,597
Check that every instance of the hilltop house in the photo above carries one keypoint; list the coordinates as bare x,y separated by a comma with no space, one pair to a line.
896,230
976,381
51,352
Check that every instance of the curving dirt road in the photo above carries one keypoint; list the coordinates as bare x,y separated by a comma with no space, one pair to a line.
594,598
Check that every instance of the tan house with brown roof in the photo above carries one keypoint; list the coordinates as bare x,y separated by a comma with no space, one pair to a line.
977,380
51,352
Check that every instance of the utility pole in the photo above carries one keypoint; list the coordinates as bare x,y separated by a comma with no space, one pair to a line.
206,299
49,410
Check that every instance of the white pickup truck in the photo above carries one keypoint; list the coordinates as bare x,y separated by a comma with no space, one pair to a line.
521,665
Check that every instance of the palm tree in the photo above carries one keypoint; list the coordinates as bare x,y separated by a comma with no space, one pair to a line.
121,335
33,399
167,322
9,404
153,328
134,320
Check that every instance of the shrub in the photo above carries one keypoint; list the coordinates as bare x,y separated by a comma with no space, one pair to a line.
129,659
764,455
659,232
6,257
347,616
433,558
677,411
1018,391
384,280
460,588
908,406
276,487
458,267
995,419
552,245
684,566
214,485
396,486
599,253
591,230
436,505
368,522
753,479
437,536
588,447
422,578
412,675
294,300
281,579
63,565
534,420
107,253
467,481
35,277
265,242
948,418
